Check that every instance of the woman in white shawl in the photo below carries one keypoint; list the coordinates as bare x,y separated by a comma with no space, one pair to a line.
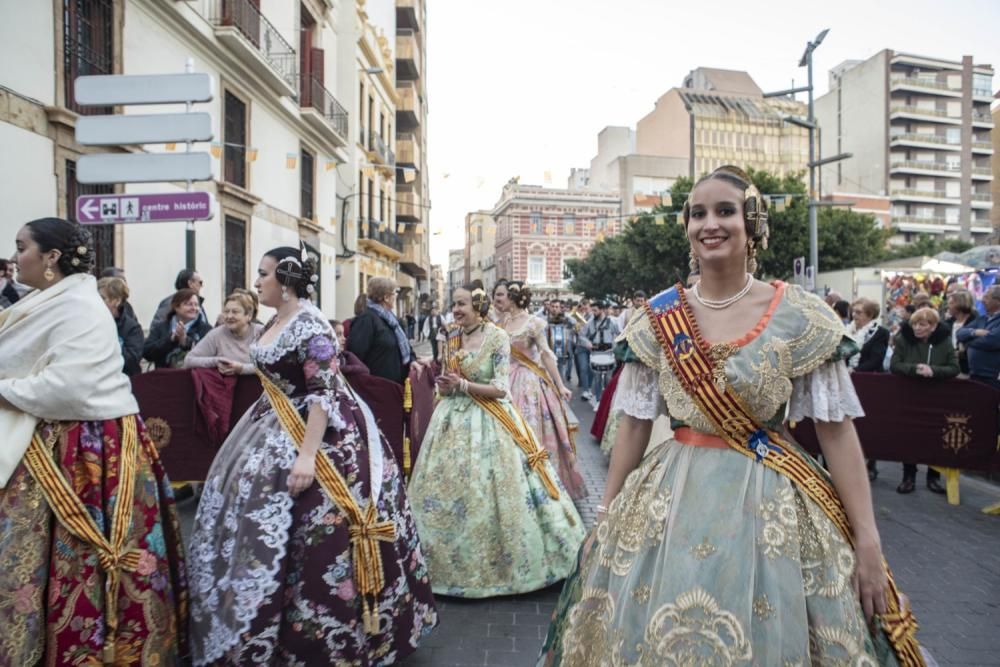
91,566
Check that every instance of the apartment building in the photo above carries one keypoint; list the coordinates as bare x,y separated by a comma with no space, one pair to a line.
538,229
412,179
286,116
722,117
995,184
921,133
480,248
456,271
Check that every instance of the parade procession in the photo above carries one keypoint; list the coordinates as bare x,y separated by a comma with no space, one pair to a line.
727,395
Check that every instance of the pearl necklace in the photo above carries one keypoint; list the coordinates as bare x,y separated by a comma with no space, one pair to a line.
724,303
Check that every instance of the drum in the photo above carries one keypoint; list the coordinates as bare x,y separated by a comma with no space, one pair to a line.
602,361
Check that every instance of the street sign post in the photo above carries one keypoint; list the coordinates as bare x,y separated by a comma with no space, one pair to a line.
799,270
810,279
145,167
128,208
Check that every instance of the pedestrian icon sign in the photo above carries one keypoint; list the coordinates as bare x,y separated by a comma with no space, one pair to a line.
128,208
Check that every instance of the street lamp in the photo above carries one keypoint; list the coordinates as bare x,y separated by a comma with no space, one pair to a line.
810,124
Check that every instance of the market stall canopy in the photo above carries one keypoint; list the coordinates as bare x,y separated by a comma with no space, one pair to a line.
980,257
931,264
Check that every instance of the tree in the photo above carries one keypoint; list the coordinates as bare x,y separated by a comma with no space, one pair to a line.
928,246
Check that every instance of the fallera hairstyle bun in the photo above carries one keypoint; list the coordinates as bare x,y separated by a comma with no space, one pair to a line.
294,270
69,238
519,294
503,282
480,300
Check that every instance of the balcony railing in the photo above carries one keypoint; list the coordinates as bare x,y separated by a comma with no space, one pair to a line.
316,96
982,171
259,32
409,149
922,83
937,113
363,136
926,165
979,196
985,145
372,230
925,194
924,138
920,220
385,155
979,117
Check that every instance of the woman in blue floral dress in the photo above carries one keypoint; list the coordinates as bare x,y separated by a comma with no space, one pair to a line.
275,571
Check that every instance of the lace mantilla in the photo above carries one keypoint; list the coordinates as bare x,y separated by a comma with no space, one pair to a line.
826,394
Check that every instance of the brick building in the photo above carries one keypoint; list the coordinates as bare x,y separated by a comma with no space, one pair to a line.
538,229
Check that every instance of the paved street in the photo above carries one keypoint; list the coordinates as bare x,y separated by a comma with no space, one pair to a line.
947,559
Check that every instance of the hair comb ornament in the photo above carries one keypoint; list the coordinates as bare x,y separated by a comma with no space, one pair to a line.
81,250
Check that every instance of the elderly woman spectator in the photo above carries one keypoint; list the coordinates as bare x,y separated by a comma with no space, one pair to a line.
872,340
171,339
114,292
871,337
961,312
227,347
376,337
923,349
981,337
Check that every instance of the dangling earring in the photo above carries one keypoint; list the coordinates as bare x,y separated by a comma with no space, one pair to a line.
49,276
693,262
751,257
284,293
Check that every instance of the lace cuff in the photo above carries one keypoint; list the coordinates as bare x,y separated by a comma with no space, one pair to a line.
331,406
825,394
638,394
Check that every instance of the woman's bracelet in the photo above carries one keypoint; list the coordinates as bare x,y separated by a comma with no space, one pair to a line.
601,509
463,386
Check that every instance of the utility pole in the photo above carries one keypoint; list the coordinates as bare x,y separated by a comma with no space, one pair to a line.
809,122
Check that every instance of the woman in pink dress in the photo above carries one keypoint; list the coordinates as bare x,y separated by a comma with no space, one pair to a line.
536,389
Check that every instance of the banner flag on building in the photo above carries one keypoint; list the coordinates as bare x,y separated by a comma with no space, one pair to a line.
251,155
170,147
291,159
330,163
216,150
409,175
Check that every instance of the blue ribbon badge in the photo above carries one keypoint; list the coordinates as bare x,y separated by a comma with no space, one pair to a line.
761,445
683,346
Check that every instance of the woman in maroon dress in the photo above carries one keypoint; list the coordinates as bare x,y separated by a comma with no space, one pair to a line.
304,550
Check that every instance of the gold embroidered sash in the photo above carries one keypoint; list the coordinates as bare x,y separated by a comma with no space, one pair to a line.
522,434
365,530
527,362
69,510
698,373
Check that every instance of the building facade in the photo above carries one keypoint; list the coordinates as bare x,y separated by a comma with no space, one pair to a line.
921,133
278,129
721,117
539,229
995,184
456,271
412,180
294,84
480,247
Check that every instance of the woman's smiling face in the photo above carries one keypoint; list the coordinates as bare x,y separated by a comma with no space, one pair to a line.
715,227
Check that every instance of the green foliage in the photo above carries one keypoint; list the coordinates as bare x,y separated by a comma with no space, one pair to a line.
928,246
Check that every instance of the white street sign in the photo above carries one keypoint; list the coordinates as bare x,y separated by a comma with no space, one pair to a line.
104,90
143,129
798,270
810,279
143,167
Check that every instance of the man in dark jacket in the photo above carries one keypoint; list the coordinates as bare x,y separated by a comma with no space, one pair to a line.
982,340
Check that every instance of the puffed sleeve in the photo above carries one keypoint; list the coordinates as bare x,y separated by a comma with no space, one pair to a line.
541,340
638,394
825,394
501,363
318,352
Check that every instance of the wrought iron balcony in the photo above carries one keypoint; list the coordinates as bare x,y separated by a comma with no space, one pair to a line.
371,232
925,165
382,152
241,26
319,103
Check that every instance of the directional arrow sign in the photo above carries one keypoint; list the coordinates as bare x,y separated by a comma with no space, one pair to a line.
103,90
159,207
143,167
143,129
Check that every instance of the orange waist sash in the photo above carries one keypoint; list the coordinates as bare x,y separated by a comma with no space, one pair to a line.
688,436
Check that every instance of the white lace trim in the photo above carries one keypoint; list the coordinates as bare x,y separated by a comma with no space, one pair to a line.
638,394
308,322
330,406
825,394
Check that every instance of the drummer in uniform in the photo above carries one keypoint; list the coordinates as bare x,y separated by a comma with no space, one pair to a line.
599,338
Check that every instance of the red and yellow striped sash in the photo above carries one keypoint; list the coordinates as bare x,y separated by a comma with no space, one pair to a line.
70,512
699,368
365,530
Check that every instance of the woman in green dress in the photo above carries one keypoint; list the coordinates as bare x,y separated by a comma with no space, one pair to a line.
726,544
492,516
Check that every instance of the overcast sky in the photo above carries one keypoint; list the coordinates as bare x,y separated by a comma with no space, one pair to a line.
521,87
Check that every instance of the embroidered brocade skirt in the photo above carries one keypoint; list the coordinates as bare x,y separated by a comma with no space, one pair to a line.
709,558
486,522
52,588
